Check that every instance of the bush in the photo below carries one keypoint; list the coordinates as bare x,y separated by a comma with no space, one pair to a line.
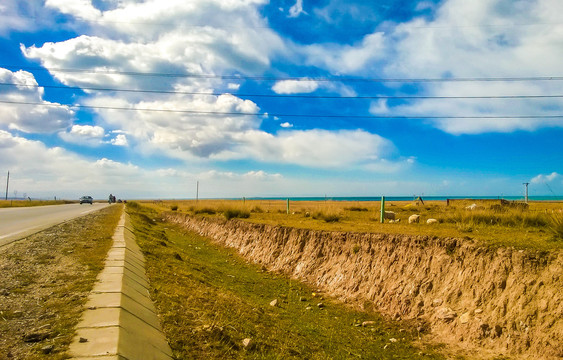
205,210
174,207
319,215
356,208
555,226
236,213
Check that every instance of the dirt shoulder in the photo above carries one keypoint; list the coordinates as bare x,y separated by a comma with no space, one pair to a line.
45,282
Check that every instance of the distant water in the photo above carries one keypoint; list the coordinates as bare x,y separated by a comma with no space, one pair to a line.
409,198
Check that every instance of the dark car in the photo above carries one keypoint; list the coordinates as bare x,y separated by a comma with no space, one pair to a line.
86,199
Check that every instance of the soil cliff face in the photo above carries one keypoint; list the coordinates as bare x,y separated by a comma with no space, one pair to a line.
503,300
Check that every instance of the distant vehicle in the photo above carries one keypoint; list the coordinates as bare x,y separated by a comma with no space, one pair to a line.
86,199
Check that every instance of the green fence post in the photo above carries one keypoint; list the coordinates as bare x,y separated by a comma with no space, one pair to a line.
288,206
382,215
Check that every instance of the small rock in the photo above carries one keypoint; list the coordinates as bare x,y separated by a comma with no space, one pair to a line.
178,257
274,303
47,349
393,340
368,323
82,340
431,221
478,311
248,343
308,308
437,302
464,318
446,314
542,306
320,305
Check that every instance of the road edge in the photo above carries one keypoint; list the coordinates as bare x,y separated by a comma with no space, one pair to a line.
120,320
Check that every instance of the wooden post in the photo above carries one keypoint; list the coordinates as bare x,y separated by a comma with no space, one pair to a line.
288,206
382,215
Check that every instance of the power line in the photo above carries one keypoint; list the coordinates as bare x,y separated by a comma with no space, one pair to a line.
282,78
300,96
219,113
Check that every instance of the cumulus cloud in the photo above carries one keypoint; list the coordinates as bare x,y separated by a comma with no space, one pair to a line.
547,178
295,86
43,171
120,140
84,134
318,148
286,125
480,39
47,117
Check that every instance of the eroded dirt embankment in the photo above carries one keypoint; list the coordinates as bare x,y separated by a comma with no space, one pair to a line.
503,300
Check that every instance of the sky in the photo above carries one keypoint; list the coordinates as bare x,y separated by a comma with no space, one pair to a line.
289,98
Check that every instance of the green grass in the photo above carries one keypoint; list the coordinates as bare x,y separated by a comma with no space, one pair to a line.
209,300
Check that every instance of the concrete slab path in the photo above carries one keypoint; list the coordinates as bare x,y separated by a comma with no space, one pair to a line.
120,321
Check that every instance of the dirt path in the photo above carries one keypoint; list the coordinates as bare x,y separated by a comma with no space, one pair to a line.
45,280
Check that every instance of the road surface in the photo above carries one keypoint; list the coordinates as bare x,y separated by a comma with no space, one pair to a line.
19,222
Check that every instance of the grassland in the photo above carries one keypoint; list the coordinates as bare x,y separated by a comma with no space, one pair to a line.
538,226
210,300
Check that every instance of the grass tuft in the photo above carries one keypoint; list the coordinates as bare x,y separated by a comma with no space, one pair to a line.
236,213
555,226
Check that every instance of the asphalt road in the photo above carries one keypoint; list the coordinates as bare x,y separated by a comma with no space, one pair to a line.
19,222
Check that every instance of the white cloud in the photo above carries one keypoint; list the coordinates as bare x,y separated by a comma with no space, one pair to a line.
84,134
78,8
343,59
549,178
286,125
120,140
47,117
295,86
318,148
296,9
480,39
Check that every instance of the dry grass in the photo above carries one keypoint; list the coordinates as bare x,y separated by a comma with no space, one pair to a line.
489,225
27,203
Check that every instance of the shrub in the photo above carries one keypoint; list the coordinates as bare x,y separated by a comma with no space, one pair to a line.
173,207
356,208
319,215
236,213
555,226
205,210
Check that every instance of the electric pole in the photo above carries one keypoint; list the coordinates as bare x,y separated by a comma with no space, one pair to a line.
197,192
526,184
7,182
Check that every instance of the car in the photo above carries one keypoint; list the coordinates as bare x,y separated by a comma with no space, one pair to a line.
86,199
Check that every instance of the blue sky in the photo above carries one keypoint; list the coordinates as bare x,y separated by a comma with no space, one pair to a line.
281,98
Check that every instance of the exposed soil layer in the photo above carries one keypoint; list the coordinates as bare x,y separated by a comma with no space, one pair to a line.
503,301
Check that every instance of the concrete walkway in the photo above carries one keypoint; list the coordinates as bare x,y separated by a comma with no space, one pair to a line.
120,321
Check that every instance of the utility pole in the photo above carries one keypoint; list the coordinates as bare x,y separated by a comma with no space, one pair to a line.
197,192
526,184
7,182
